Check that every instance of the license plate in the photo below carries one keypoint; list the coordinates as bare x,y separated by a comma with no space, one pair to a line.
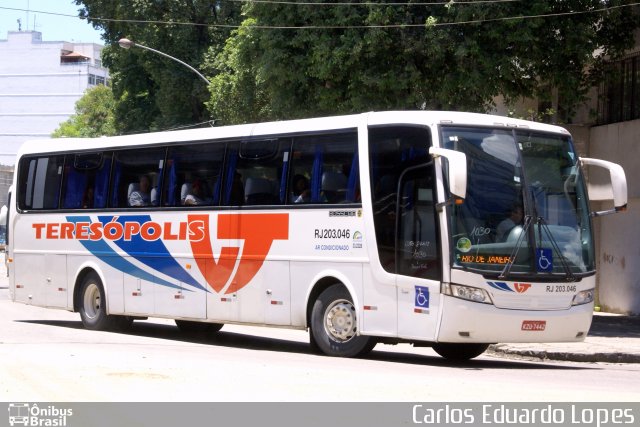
534,325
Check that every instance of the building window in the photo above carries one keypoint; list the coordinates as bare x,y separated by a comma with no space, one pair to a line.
92,79
619,94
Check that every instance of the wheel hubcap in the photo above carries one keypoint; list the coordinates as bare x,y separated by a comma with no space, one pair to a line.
92,301
340,320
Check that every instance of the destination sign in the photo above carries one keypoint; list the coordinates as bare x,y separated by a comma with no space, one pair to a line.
483,259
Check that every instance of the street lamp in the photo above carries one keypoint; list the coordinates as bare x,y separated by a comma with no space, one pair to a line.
127,44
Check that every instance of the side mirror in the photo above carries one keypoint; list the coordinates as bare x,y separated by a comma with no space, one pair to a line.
615,189
457,169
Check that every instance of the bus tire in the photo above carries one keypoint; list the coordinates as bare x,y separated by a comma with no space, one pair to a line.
313,345
93,306
459,351
334,326
198,328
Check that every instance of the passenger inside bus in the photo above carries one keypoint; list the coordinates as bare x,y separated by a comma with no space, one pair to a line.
139,193
193,194
515,218
301,192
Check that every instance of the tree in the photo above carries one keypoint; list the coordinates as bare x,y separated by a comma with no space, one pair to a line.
289,61
153,92
94,115
239,96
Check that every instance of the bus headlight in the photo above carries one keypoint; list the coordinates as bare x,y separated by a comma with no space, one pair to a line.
583,297
468,293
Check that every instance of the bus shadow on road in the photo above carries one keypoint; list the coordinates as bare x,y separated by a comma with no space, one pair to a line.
257,343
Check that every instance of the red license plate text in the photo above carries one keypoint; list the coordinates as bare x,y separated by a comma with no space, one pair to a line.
534,325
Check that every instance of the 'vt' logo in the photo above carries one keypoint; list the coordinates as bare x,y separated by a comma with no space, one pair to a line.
521,287
258,232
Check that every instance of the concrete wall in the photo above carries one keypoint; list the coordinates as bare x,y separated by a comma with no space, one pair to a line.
618,240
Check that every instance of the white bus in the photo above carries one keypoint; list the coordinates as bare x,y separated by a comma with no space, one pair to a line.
450,230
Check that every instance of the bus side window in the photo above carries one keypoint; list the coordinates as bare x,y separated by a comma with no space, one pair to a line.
85,182
193,175
324,169
254,175
39,182
135,173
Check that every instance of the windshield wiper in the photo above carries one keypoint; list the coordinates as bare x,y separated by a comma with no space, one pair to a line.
542,225
514,253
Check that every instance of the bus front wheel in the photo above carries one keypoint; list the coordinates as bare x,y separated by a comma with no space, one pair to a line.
93,307
459,351
334,325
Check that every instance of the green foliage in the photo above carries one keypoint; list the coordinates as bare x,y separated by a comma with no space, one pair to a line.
545,116
94,115
428,63
238,96
300,60
154,92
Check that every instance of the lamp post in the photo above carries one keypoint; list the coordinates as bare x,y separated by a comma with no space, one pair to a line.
127,44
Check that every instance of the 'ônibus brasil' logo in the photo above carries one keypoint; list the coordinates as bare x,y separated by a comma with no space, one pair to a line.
139,237
517,287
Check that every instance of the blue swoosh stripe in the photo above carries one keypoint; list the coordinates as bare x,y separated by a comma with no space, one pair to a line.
161,261
502,286
103,251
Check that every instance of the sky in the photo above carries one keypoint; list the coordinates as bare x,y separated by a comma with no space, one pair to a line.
52,27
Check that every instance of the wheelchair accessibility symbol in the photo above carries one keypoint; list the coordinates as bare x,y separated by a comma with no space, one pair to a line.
422,297
544,260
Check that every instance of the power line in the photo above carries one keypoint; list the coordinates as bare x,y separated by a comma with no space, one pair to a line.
195,125
440,3
337,27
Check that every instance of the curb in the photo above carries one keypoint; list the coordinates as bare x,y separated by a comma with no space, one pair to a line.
502,350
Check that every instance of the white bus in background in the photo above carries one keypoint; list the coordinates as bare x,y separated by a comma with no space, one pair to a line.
442,229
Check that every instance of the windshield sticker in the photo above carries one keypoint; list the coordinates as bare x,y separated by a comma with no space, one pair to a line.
544,260
463,245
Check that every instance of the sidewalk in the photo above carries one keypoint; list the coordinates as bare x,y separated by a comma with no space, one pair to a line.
613,338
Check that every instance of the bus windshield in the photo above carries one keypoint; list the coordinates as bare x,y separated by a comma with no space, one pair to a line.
525,212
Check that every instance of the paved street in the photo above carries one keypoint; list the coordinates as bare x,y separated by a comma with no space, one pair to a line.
47,356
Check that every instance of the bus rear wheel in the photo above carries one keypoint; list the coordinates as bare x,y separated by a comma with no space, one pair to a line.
334,325
459,351
93,307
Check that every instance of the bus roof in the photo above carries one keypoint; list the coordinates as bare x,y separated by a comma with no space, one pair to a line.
280,128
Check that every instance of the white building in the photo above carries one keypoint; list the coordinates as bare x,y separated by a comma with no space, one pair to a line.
40,82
